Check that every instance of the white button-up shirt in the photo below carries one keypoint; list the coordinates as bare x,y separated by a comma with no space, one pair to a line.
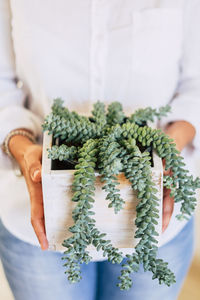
139,52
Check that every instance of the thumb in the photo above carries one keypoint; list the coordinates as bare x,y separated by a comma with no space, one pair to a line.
36,173
33,163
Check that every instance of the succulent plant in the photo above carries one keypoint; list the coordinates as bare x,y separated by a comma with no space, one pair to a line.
111,143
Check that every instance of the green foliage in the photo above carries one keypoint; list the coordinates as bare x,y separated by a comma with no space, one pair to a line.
112,143
109,166
63,152
99,114
84,230
148,114
115,113
137,169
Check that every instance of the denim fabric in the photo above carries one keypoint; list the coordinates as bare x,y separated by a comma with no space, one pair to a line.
36,274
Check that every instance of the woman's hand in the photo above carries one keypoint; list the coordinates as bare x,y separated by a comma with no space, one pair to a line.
29,155
182,133
168,203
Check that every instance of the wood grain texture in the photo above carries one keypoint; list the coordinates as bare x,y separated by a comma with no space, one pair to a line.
120,228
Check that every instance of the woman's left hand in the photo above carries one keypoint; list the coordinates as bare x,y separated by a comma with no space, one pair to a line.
182,133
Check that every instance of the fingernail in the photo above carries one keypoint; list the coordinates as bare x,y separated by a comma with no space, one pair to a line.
163,226
36,173
44,245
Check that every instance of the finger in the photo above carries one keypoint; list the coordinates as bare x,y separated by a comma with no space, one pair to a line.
168,207
166,192
163,161
35,172
33,162
38,225
37,213
164,164
168,171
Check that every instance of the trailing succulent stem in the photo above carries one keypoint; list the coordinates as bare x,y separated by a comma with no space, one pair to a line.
111,143
63,152
109,166
137,169
84,230
148,114
115,114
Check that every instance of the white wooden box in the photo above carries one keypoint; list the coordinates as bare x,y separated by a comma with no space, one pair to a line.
120,227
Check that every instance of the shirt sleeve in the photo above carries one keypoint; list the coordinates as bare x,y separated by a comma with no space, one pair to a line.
186,103
13,114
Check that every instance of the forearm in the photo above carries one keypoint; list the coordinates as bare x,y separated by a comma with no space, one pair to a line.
182,132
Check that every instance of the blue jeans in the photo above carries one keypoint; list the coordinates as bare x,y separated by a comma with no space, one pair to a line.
34,274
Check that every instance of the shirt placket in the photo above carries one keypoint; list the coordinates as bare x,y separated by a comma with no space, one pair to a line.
98,49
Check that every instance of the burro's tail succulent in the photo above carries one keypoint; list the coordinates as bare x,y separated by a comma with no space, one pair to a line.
111,143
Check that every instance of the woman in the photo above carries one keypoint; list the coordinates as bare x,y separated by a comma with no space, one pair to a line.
140,53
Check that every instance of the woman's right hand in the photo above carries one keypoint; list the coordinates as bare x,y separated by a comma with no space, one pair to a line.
28,156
